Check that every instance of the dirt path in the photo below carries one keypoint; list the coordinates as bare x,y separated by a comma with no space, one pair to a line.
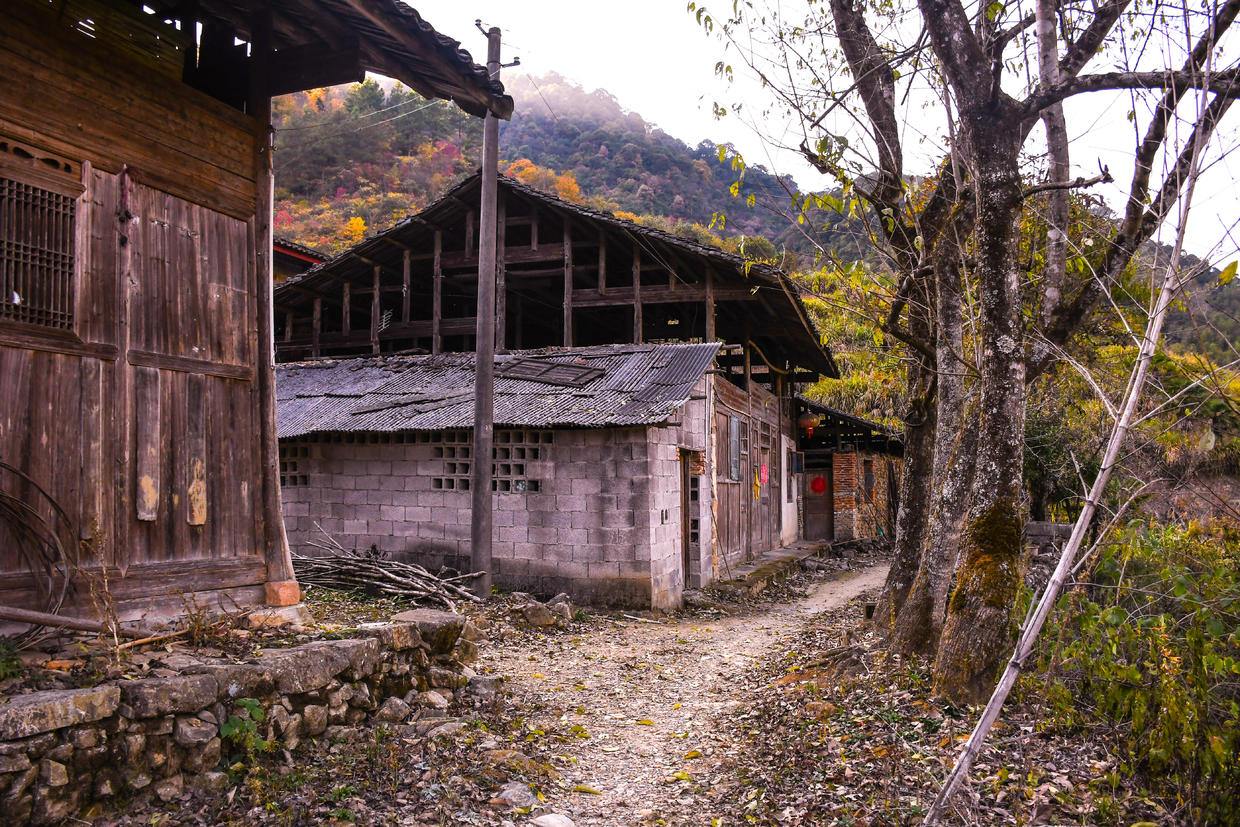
640,697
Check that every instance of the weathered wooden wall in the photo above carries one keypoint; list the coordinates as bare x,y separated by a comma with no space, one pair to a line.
746,525
142,421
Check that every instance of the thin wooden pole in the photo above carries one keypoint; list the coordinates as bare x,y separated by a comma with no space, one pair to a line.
602,264
568,284
317,326
437,294
374,313
710,307
484,371
406,278
637,295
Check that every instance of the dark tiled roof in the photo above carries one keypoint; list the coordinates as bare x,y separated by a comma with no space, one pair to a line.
640,385
281,244
395,41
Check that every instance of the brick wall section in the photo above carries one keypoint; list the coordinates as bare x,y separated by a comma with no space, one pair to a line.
595,528
858,515
844,489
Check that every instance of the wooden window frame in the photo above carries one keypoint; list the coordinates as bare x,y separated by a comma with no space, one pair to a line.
28,165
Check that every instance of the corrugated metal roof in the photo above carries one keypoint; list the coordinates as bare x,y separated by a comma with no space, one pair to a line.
640,385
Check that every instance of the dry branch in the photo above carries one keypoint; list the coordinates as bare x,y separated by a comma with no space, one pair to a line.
367,572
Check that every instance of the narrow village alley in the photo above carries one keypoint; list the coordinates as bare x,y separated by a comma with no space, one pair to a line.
645,699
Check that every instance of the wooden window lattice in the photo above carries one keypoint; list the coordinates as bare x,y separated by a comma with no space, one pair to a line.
36,255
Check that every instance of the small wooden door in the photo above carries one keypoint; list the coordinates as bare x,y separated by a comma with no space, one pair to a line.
818,497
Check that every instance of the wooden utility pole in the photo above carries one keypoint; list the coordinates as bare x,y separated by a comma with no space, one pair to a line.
484,371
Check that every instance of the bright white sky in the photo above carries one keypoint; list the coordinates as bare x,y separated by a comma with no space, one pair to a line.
654,58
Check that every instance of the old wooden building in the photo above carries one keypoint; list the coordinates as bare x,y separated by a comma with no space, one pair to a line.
137,419
645,399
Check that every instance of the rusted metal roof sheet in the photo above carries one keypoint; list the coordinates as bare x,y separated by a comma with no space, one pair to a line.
639,385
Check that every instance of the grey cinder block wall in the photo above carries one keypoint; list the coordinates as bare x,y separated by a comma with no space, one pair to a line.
593,512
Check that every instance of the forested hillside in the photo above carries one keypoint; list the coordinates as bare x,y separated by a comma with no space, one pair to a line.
353,159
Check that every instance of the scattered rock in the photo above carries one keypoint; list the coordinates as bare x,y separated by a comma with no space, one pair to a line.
274,617
192,732
484,687
27,715
53,773
448,730
431,699
314,719
170,788
392,711
553,820
516,794
439,630
154,697
535,614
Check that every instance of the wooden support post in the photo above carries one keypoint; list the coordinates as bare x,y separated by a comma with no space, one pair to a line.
405,281
374,313
568,284
346,320
534,231
469,234
316,328
480,536
602,264
711,336
288,326
280,577
637,295
437,294
501,274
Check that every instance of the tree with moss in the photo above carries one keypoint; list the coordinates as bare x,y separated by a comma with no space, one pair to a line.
980,322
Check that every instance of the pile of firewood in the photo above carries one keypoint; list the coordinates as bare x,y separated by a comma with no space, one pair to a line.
371,572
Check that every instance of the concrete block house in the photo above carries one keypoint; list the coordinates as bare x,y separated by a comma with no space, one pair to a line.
645,400
137,424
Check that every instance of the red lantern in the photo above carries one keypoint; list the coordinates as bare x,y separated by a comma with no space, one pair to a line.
818,485
807,422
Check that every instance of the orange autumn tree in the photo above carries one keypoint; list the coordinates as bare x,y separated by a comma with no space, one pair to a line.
562,184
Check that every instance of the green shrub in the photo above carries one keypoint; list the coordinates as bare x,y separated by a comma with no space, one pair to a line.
1152,645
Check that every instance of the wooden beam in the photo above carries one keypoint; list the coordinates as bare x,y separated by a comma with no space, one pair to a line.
311,67
436,294
346,322
620,296
374,313
711,334
602,264
316,330
549,253
637,294
568,284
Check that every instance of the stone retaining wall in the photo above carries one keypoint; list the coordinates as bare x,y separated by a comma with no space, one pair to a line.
63,751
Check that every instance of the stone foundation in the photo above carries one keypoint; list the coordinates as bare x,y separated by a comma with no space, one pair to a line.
63,751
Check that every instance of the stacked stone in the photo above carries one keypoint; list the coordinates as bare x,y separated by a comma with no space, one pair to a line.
63,750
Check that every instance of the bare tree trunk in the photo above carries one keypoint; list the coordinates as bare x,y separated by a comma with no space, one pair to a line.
920,621
920,430
1055,273
978,628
